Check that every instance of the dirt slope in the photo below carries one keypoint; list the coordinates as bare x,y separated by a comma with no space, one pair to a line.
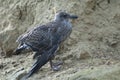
91,53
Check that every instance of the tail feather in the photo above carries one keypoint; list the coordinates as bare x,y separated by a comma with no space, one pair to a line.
42,60
37,65
20,49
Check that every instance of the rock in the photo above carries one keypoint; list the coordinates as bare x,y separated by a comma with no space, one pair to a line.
18,75
84,55
13,62
15,65
1,66
9,70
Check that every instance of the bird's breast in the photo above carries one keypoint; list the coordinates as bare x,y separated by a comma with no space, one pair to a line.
64,30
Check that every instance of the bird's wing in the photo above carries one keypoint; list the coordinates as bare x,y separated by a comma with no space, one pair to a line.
40,36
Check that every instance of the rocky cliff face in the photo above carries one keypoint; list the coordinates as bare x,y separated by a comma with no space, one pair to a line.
95,39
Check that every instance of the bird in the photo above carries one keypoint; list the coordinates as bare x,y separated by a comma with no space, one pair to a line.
45,40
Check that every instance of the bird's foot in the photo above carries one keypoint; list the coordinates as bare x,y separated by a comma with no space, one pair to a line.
56,66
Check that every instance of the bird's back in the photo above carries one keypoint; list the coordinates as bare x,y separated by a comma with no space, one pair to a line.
45,36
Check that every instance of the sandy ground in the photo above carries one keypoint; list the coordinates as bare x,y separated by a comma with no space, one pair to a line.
15,67
91,53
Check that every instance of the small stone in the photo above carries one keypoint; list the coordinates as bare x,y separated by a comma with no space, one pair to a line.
84,55
108,62
22,61
13,62
9,70
1,66
92,68
15,65
18,75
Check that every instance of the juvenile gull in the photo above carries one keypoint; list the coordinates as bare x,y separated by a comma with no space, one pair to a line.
44,40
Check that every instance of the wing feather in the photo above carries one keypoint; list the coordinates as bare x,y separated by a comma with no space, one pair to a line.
39,37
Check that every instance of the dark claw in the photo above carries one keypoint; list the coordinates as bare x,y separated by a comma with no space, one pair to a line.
58,63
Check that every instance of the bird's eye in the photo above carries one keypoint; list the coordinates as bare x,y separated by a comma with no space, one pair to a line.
64,15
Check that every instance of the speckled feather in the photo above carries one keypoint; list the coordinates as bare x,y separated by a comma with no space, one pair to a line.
44,36
45,40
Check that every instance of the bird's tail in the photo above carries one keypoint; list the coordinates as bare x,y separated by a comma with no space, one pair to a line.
19,49
42,60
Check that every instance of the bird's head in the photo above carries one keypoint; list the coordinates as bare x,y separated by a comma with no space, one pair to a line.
64,16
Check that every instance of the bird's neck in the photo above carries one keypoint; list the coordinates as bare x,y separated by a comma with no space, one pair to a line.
61,20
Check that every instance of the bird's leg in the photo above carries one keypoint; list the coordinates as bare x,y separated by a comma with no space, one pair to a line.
55,66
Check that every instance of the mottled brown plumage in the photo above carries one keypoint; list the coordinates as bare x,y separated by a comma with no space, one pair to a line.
45,39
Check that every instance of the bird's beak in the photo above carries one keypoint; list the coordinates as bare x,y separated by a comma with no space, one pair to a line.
73,16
